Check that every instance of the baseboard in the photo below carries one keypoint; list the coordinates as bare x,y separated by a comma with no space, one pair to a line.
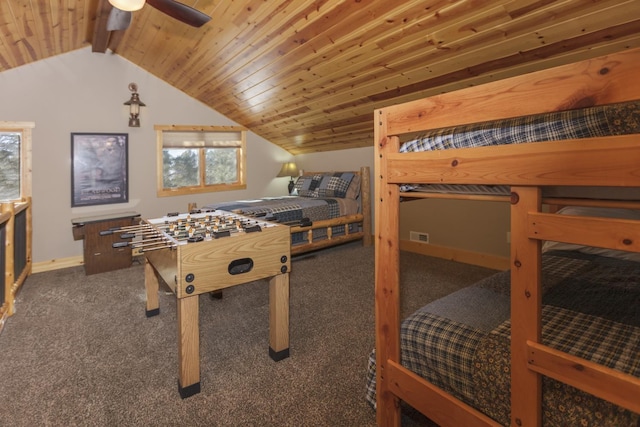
475,258
494,262
56,264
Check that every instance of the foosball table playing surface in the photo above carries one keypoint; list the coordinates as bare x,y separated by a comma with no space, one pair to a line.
206,252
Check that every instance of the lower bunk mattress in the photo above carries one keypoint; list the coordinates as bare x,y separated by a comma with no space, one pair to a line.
591,309
293,210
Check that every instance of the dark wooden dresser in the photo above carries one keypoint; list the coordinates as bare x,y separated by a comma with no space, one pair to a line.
99,254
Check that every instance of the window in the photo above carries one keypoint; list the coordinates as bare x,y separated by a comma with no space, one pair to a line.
199,159
15,161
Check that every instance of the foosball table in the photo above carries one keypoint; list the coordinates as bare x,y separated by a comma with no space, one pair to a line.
206,252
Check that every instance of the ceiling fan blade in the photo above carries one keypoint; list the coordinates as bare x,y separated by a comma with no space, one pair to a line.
118,20
181,12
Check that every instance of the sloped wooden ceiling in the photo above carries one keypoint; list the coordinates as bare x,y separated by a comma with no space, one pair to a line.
307,75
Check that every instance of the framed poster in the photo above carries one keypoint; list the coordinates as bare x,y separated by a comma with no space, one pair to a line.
99,169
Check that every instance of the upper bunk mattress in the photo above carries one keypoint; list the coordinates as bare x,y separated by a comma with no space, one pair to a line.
590,122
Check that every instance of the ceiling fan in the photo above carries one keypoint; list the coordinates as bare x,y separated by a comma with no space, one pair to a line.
120,15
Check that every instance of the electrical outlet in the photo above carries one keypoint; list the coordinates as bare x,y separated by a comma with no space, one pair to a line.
417,236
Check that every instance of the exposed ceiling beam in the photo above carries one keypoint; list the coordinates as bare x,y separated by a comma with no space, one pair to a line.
101,36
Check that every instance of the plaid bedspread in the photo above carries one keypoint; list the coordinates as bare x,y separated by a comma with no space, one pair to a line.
293,208
614,119
591,309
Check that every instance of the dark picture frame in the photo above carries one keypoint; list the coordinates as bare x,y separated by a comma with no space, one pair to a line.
99,168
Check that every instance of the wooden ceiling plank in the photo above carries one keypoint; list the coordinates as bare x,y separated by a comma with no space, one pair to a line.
253,44
288,41
524,43
11,31
31,31
55,33
177,64
394,69
345,73
310,40
473,54
290,72
7,59
256,11
352,44
78,12
138,36
412,94
570,57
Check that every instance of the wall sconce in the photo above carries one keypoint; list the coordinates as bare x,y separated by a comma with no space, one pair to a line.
289,169
134,106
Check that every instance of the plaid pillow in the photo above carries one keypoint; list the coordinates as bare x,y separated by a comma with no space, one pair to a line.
307,185
324,185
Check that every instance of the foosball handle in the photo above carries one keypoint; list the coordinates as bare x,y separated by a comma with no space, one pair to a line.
253,228
120,244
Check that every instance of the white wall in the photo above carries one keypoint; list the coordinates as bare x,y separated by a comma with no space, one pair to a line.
83,91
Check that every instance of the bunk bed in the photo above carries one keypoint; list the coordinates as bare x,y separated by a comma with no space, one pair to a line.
324,210
600,163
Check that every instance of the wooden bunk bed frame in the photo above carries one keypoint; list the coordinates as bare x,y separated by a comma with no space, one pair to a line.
607,161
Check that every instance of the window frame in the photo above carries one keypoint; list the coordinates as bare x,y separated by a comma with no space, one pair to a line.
241,184
25,129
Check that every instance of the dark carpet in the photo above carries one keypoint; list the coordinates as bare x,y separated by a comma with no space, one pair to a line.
80,351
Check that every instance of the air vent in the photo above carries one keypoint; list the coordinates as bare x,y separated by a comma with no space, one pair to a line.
416,236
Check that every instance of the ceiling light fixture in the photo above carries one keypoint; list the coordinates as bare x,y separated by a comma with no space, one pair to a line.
127,5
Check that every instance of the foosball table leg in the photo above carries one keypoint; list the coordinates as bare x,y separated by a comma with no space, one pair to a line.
152,285
279,317
188,346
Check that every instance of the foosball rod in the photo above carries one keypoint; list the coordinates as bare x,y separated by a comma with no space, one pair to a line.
131,229
159,241
130,235
155,248
151,239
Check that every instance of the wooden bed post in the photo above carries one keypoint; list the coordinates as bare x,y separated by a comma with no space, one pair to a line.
526,303
365,203
387,273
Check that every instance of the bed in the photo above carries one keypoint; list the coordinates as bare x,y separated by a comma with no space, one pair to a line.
584,171
325,209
